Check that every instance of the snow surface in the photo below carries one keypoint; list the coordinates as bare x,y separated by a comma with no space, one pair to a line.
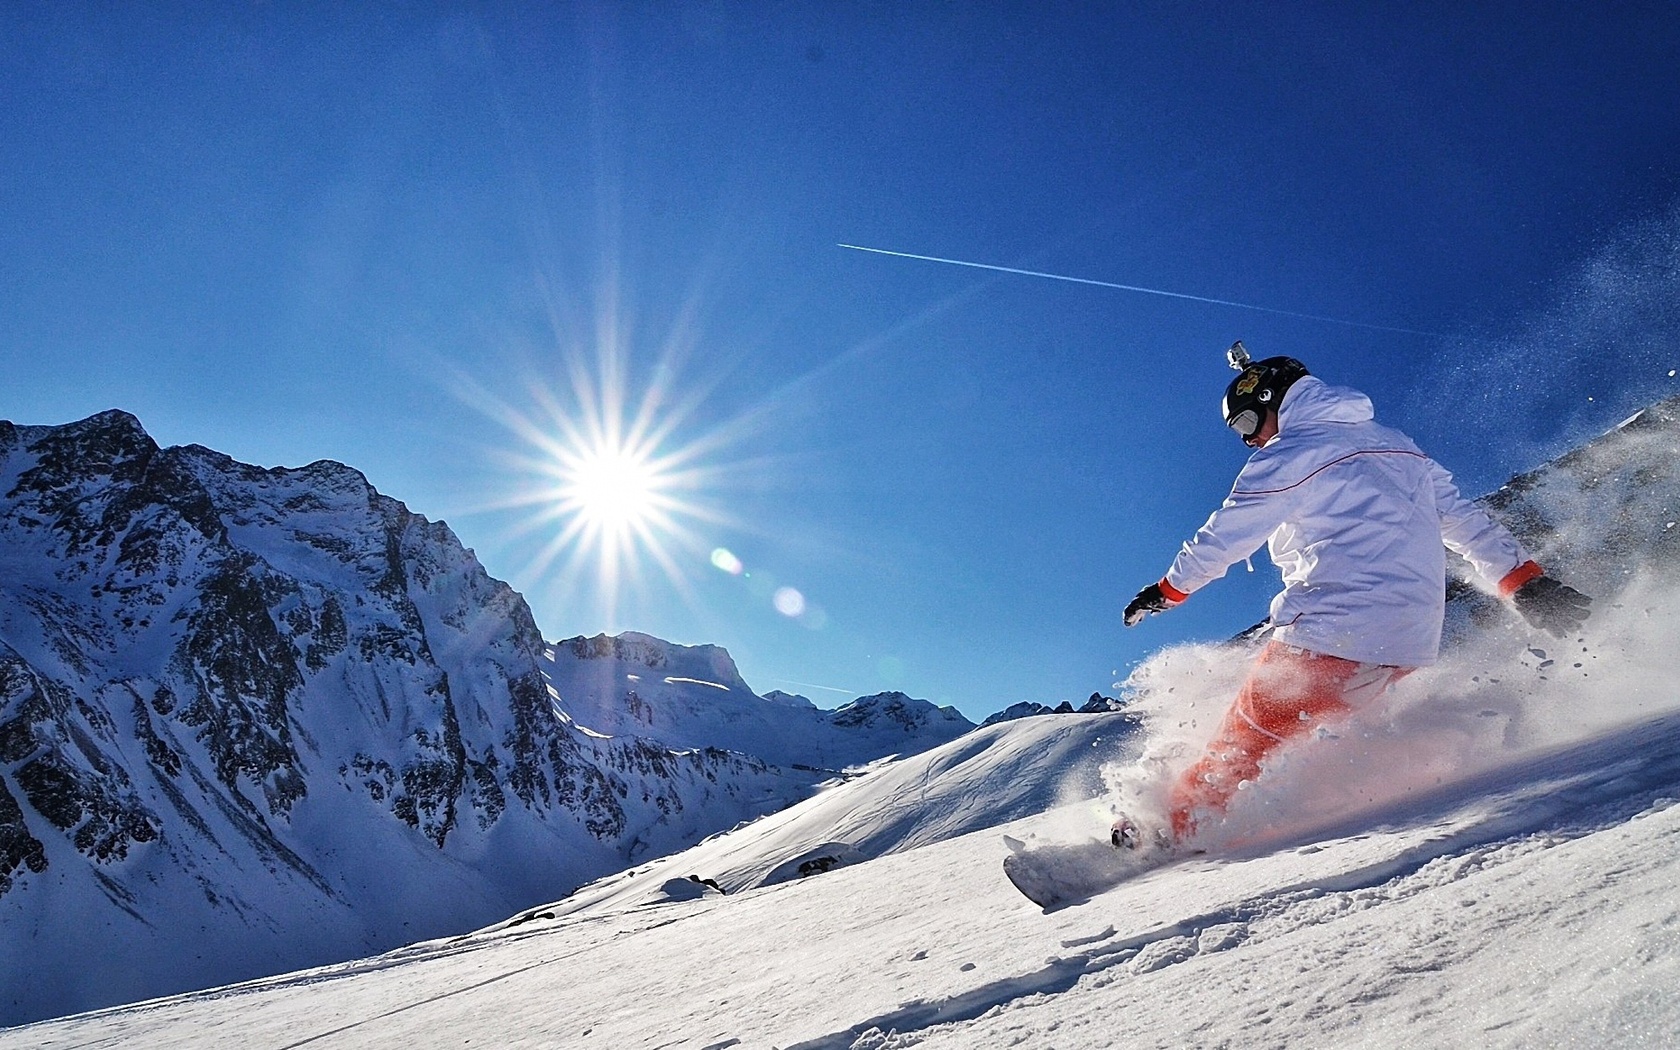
1487,857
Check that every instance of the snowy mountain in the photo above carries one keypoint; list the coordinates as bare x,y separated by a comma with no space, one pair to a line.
693,697
1487,856
1028,709
1526,902
257,719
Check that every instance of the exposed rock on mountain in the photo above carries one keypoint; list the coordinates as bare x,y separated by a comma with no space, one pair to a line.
256,719
1096,704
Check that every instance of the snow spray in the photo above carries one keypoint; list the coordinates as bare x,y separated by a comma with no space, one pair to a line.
1505,697
1604,343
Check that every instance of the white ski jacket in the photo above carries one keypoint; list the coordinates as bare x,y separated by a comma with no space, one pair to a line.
1354,516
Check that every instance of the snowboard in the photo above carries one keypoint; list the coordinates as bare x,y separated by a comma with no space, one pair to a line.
1057,875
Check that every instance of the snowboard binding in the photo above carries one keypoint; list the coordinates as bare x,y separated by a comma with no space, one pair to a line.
1126,834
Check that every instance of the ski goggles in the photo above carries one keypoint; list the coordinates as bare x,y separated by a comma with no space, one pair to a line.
1246,423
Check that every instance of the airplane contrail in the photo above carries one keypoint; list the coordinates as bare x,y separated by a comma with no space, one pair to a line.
1145,291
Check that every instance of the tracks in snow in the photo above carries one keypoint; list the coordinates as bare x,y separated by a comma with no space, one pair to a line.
1536,806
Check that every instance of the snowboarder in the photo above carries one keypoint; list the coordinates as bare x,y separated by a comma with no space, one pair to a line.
1354,516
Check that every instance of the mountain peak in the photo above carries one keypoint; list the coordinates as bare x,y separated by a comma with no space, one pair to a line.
109,419
104,443
894,708
113,427
709,664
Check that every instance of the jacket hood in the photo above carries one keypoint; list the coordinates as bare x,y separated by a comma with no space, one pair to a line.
1311,400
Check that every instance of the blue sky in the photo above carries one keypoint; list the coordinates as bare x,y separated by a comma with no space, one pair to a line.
392,235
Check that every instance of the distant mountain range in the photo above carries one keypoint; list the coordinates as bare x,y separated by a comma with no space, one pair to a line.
692,697
258,719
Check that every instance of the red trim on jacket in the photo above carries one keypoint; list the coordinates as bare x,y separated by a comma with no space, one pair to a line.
1319,470
1171,593
1513,581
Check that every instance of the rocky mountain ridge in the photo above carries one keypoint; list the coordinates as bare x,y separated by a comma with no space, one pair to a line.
272,717
1096,703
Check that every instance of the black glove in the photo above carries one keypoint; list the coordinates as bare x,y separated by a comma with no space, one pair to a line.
1149,600
1552,606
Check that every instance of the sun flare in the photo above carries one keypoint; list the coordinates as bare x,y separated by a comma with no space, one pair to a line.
612,488
609,478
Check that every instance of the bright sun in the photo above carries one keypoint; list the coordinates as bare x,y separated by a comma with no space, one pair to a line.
607,485
611,488
614,485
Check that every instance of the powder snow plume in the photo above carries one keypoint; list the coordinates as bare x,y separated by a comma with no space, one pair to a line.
1607,342
1483,707
1605,518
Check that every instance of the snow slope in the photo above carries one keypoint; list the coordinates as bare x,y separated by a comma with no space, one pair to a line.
983,780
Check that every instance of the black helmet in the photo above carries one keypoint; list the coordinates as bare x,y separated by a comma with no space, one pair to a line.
1261,386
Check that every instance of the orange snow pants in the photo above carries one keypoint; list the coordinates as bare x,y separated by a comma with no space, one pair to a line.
1288,693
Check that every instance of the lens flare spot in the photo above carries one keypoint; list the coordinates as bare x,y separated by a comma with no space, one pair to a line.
789,602
724,560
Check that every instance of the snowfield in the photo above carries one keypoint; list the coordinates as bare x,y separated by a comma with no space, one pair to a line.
1513,885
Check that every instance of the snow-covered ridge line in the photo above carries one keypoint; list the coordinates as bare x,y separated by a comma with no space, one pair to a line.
698,700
